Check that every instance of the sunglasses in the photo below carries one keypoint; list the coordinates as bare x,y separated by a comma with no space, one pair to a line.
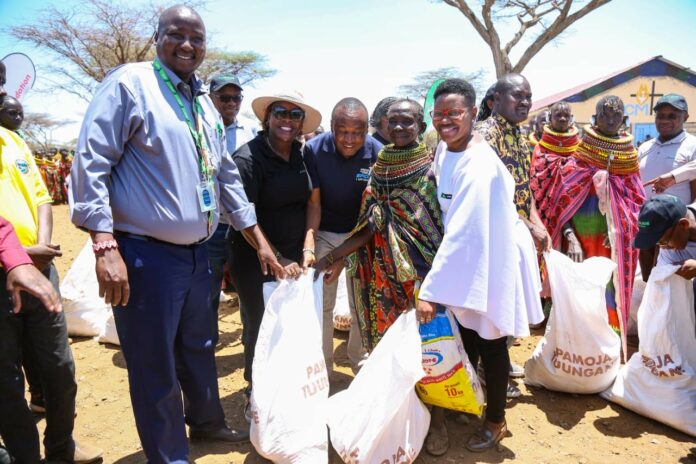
452,113
229,98
295,114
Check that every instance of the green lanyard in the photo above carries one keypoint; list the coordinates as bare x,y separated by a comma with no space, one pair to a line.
196,131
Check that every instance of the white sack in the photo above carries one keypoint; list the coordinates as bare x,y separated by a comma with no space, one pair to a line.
579,353
659,381
109,334
341,311
85,312
636,299
290,382
379,418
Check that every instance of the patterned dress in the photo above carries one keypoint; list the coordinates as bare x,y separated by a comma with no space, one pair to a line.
400,206
513,150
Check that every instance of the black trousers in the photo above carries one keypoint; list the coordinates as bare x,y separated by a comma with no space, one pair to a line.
248,281
495,358
45,335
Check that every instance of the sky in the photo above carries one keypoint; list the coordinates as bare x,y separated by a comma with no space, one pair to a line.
330,49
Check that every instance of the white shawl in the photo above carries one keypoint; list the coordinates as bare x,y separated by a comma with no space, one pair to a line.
486,262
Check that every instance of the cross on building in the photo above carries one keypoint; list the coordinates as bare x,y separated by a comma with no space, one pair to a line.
652,97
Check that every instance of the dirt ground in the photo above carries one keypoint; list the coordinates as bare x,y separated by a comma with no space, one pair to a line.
546,427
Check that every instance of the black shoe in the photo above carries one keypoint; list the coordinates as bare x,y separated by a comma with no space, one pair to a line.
223,434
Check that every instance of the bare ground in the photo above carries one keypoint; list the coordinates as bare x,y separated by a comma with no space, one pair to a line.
547,427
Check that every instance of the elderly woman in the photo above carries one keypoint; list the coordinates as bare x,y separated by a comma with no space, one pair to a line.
485,270
399,229
276,180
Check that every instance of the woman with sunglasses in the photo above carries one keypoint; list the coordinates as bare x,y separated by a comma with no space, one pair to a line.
485,270
277,182
399,228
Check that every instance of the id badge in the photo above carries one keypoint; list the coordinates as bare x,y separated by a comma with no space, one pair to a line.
206,196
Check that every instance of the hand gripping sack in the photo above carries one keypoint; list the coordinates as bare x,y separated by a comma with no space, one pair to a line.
450,380
291,387
379,418
659,381
341,312
85,311
579,352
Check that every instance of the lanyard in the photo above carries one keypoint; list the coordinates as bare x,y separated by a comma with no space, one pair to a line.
196,131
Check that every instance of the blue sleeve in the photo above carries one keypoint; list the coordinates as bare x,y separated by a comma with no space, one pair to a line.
111,119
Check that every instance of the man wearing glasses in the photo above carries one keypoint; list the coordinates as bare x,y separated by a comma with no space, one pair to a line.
226,93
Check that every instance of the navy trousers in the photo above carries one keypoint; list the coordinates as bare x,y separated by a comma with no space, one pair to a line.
167,340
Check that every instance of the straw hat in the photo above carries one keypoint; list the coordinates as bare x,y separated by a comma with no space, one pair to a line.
312,117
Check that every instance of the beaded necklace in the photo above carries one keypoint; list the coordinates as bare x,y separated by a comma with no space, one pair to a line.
396,167
533,141
617,155
560,143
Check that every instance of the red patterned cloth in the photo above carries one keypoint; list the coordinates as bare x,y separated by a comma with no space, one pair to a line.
548,159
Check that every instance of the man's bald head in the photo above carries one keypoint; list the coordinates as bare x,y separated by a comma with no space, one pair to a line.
512,98
181,40
176,12
349,126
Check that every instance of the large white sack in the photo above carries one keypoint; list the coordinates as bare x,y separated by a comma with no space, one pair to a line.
341,312
85,312
379,418
659,381
109,334
290,382
636,299
579,353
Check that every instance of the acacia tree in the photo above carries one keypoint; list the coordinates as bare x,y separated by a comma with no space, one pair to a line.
38,130
90,40
419,86
248,66
547,18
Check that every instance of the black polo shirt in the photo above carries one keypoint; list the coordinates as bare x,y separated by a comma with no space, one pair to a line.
279,190
341,180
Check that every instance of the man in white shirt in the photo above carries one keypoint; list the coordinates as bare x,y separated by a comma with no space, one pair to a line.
668,161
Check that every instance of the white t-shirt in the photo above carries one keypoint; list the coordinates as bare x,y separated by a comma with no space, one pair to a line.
658,158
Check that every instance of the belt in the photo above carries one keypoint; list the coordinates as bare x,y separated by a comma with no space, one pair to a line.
146,238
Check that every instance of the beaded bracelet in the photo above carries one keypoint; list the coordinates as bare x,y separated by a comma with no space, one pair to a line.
101,247
310,250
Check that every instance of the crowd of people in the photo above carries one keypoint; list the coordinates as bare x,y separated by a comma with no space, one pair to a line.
166,175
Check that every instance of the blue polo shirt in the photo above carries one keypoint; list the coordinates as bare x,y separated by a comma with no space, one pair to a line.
341,180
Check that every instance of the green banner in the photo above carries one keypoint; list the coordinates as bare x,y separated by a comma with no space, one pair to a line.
430,102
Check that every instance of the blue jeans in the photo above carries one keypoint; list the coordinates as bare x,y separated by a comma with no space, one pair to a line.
218,255
167,341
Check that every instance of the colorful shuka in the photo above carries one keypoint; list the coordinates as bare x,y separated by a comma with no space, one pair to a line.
601,196
549,157
400,206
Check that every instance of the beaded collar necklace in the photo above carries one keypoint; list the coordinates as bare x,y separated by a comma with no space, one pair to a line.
617,155
560,143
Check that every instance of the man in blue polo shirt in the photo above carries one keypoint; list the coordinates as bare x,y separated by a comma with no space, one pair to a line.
343,158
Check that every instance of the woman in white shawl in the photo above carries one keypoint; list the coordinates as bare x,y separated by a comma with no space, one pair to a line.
485,270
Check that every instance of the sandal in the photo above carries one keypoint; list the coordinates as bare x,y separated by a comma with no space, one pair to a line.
437,441
487,437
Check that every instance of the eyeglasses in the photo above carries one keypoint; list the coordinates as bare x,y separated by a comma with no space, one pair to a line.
452,113
295,114
229,98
